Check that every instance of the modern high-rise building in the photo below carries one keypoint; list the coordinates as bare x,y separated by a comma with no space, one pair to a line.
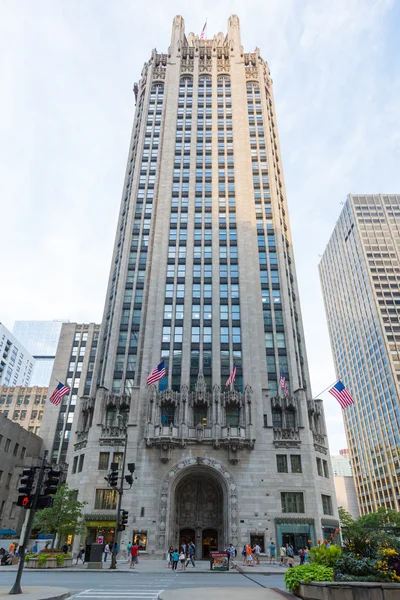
360,275
73,366
41,340
16,363
203,278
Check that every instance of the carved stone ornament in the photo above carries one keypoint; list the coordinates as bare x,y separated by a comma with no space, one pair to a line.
190,464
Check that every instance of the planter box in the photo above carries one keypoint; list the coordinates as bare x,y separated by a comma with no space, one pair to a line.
51,563
357,590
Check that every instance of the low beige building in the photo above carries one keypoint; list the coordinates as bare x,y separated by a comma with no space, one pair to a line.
24,405
18,449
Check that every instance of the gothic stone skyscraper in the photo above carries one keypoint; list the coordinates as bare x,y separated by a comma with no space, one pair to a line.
203,277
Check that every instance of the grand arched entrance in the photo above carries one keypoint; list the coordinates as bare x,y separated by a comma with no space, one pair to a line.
199,517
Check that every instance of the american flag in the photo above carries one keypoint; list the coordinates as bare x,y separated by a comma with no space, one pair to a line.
283,384
58,393
231,377
156,374
203,31
341,394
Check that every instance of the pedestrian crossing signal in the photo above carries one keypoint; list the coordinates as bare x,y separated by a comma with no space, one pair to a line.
24,501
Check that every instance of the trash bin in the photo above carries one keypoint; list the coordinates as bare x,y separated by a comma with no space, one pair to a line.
96,557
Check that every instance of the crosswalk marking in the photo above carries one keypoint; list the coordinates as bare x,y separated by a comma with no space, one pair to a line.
145,594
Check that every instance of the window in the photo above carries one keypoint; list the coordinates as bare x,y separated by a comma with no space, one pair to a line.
319,467
327,505
104,459
277,418
23,452
292,502
9,476
7,445
232,415
167,414
290,419
326,470
295,463
117,458
106,500
281,463
15,449
81,459
1,475
200,415
75,463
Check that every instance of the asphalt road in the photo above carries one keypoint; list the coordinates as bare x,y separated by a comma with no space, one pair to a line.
139,586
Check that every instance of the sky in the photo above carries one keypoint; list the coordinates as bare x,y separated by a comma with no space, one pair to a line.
66,110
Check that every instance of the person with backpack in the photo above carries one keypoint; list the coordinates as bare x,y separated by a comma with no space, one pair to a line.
175,559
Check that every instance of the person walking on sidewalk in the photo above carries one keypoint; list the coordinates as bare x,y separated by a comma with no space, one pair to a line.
282,552
256,551
169,556
81,554
134,555
191,554
182,558
175,559
272,553
290,554
106,552
249,556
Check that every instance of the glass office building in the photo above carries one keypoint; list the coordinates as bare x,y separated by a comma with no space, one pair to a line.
360,275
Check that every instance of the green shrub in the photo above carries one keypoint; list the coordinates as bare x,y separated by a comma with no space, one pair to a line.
307,573
42,559
359,566
60,559
323,555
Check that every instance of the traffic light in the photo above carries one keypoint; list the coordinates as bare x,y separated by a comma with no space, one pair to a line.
124,517
129,478
113,475
25,488
44,502
52,482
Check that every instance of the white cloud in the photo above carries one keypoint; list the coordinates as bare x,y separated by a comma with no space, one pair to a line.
66,109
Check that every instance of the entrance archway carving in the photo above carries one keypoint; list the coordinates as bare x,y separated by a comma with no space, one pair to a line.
220,484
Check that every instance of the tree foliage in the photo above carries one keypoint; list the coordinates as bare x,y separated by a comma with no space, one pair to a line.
365,535
65,516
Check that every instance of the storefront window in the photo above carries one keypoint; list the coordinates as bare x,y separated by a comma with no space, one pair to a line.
140,538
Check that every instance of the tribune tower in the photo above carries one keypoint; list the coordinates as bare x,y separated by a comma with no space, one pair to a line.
203,277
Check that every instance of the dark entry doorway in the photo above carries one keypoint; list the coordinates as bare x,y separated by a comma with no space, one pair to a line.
210,542
186,536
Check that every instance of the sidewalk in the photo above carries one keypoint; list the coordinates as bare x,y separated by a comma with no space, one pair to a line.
223,594
37,593
148,565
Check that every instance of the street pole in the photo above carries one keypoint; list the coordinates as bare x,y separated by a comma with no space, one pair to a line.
120,492
16,589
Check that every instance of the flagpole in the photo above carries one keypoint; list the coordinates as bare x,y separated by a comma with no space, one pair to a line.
206,27
327,388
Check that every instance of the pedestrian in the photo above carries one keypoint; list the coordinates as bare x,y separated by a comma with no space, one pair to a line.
175,559
249,556
11,548
64,548
256,552
283,556
169,557
302,555
306,555
128,550
232,551
182,558
191,554
290,554
134,555
244,554
81,554
106,552
272,553
35,548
